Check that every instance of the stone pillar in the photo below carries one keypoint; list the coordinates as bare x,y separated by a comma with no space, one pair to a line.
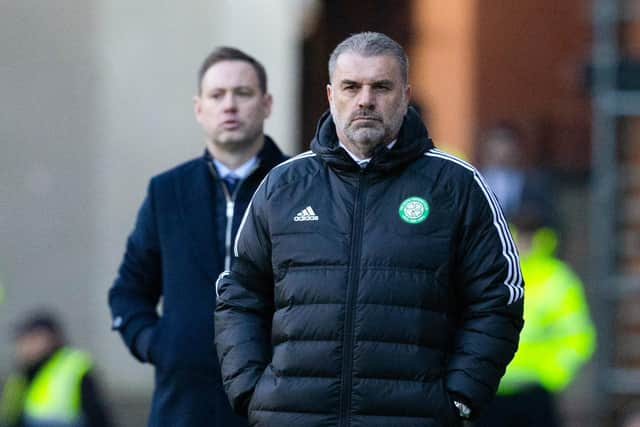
443,69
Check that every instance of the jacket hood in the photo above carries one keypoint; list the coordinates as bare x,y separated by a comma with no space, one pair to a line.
413,141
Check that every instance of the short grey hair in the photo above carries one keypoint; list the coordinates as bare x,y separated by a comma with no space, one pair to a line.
371,44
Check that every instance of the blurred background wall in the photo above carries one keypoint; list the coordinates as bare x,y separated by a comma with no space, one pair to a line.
96,98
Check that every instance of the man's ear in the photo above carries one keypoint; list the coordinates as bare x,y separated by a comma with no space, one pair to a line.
197,106
408,90
268,104
329,93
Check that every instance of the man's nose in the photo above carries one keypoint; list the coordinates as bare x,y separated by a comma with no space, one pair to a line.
365,98
229,102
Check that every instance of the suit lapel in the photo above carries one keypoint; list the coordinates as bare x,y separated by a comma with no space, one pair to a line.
196,199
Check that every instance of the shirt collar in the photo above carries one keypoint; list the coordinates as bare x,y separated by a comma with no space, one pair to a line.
364,162
241,171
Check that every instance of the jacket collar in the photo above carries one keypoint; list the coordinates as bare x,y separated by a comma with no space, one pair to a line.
268,157
196,187
413,142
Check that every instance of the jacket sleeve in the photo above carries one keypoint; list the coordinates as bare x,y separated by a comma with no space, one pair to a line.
490,289
245,308
135,293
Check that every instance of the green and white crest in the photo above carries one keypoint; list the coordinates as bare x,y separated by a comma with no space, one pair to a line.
414,210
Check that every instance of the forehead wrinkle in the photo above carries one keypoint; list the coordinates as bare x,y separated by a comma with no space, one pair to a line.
381,82
358,68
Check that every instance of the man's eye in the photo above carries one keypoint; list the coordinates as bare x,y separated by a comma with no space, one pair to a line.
217,95
244,92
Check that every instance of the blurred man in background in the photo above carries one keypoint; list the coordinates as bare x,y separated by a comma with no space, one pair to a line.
182,241
512,178
558,335
54,384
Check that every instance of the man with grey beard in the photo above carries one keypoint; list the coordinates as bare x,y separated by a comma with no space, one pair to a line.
374,282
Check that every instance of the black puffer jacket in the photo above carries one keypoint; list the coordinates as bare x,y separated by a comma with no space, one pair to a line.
367,297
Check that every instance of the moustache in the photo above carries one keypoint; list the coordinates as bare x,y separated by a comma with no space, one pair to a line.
364,114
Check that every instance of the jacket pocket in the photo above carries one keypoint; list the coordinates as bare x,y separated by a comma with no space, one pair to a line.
441,404
453,419
155,346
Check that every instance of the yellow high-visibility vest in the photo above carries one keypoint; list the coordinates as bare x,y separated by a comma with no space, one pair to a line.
558,335
12,399
54,393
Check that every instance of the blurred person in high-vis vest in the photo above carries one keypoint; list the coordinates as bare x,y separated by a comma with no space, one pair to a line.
53,384
558,335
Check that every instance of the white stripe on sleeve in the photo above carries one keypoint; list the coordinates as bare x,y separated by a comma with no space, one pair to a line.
513,282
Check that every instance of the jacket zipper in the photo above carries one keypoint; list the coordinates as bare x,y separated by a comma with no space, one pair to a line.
230,206
227,234
350,304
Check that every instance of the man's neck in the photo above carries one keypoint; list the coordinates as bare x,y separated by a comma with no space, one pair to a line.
234,159
356,154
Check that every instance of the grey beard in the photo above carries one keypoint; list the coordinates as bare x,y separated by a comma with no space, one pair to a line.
366,138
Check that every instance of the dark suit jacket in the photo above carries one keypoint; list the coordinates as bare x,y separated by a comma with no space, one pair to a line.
176,251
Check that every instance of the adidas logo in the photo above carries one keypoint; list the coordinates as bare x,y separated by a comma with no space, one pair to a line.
306,214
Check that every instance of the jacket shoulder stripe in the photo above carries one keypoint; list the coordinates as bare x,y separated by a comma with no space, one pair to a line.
300,156
513,282
514,278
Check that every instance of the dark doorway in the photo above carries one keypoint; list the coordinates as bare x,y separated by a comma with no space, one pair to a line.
337,19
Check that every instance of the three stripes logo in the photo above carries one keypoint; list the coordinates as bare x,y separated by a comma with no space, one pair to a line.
306,214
